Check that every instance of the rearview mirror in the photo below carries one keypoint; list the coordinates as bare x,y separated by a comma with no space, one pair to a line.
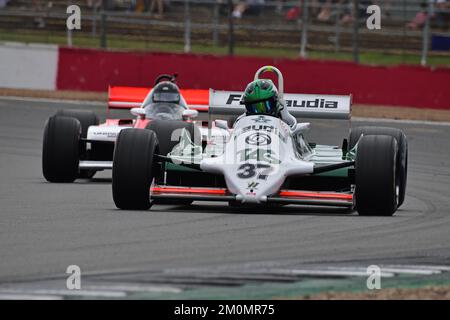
138,112
221,124
189,113
301,127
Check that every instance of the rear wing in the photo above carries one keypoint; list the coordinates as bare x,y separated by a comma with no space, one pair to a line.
132,97
226,104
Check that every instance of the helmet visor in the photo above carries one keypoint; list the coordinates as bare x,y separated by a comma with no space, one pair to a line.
262,107
166,97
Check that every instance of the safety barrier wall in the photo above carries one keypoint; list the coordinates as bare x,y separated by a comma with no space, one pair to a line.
49,67
414,86
28,66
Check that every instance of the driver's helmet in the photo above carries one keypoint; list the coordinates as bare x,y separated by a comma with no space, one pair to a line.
166,92
261,97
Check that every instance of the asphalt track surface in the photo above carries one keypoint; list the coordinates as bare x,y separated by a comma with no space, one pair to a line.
45,227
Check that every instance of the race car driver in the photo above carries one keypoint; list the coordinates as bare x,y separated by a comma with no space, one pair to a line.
261,97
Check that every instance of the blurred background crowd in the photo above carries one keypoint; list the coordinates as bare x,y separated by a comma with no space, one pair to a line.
259,27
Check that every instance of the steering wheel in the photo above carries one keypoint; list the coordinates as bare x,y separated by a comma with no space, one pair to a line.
169,77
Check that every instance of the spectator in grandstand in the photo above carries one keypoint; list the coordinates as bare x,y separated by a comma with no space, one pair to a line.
442,8
348,13
248,7
3,3
94,3
420,18
440,13
158,7
37,7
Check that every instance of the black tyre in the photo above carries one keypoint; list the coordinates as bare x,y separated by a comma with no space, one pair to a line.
167,137
375,176
164,130
402,156
134,168
60,149
87,118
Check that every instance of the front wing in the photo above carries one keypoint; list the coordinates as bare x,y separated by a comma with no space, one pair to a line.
300,197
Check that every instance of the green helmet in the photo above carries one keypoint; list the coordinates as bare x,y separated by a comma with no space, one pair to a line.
261,97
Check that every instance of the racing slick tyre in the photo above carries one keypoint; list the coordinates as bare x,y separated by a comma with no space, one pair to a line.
164,130
375,177
60,149
134,168
402,156
87,118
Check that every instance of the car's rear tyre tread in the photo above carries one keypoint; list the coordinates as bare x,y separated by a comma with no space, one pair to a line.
60,150
375,166
134,168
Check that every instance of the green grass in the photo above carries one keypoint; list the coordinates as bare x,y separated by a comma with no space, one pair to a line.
129,43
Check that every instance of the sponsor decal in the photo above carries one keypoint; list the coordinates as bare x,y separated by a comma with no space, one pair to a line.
107,134
258,127
258,139
261,119
265,155
315,104
252,185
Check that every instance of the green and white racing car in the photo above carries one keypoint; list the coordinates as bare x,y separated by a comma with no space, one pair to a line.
259,160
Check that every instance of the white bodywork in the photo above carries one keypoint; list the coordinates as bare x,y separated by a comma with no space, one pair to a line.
258,157
105,133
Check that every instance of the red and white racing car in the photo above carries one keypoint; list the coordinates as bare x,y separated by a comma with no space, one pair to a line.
76,145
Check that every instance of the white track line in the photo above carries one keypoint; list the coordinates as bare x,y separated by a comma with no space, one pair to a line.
134,288
421,267
85,293
318,272
397,269
12,296
405,121
47,100
410,271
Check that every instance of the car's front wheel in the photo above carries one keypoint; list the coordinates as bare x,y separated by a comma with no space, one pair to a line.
60,149
134,168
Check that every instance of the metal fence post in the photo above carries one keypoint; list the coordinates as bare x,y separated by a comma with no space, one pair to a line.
103,17
187,26
337,43
426,35
215,35
69,37
94,21
69,34
356,31
230,28
304,39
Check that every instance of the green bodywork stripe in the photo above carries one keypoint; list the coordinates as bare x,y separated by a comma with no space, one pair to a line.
176,167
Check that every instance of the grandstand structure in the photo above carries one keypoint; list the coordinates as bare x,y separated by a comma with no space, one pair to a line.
207,23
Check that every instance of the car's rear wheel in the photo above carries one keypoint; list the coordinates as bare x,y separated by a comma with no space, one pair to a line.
402,156
87,118
375,176
134,168
60,150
